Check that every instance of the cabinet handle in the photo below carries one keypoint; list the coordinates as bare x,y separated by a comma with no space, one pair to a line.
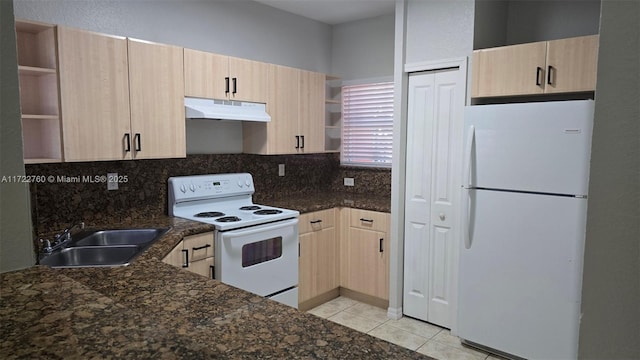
549,77
366,220
315,221
538,71
185,256
138,143
302,137
201,247
213,273
297,141
381,249
226,85
235,86
127,138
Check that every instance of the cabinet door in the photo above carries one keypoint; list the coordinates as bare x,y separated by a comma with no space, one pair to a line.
283,108
571,64
509,70
311,118
248,80
318,263
94,95
367,267
305,267
156,83
206,74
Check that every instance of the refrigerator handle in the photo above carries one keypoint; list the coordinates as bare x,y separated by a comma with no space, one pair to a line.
466,182
466,218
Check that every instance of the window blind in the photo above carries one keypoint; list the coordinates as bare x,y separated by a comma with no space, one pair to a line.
367,128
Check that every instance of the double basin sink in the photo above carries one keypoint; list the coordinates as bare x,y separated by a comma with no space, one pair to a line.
103,248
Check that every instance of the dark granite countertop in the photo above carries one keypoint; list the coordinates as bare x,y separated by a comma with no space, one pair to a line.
320,201
153,310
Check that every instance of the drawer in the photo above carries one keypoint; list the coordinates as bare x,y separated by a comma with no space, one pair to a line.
317,220
370,220
200,246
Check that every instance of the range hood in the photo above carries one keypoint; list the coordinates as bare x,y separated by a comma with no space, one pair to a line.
197,108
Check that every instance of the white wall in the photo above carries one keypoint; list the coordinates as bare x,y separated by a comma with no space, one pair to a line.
363,49
539,20
439,29
16,251
610,326
490,25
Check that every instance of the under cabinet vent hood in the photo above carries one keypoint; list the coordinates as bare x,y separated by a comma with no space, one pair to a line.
197,108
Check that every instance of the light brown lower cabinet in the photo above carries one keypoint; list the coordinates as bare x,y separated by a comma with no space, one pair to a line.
318,274
194,253
343,252
365,254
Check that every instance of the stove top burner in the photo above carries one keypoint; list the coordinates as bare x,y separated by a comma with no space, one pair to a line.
267,212
251,207
228,219
209,214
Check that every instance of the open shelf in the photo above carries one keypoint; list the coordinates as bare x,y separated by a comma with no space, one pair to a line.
333,114
39,100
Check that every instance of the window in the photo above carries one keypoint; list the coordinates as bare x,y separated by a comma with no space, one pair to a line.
367,129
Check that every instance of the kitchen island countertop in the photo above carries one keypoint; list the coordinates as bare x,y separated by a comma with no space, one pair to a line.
150,309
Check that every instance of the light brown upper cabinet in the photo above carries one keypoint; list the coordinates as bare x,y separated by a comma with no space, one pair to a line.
296,104
156,88
39,102
558,66
214,76
120,99
94,94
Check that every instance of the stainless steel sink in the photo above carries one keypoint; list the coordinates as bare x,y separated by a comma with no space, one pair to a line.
116,237
103,248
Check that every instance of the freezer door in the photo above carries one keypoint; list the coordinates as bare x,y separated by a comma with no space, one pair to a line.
538,147
520,275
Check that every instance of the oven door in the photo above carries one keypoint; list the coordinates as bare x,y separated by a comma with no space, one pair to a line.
261,259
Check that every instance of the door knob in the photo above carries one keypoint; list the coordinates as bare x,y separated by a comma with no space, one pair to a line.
442,216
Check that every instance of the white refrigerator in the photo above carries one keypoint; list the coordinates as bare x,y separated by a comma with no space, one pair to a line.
524,214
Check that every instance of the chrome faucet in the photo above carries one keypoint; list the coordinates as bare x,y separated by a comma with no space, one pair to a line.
61,239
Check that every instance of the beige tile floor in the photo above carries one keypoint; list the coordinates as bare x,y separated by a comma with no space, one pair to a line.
412,334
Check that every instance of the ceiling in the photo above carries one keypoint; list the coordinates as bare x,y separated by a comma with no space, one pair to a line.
334,11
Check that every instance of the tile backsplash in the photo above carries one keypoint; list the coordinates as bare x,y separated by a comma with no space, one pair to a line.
72,192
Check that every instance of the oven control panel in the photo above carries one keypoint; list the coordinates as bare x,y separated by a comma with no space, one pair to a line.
210,186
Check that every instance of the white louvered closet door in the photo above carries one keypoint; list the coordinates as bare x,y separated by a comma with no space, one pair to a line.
435,115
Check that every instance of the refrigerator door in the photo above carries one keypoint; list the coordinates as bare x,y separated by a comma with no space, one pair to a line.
537,147
520,277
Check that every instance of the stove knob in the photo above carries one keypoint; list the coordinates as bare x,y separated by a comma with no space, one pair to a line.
247,182
192,188
240,183
183,188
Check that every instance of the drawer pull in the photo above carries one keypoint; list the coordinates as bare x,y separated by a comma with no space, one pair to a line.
549,76
366,220
201,247
381,249
315,221
185,252
213,273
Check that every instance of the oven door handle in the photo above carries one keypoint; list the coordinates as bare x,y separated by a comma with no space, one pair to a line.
260,228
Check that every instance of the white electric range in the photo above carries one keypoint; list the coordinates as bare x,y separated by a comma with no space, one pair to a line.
255,246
